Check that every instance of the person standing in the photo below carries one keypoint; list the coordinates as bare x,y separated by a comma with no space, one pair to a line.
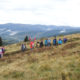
1,52
23,47
65,40
54,42
41,44
46,42
32,44
49,42
37,44
60,42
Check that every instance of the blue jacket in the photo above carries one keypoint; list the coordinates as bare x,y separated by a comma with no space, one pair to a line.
60,42
65,40
54,41
46,42
49,41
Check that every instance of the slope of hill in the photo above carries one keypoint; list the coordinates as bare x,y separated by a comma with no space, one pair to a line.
48,63
13,33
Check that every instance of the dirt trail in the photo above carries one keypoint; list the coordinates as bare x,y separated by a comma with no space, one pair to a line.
18,54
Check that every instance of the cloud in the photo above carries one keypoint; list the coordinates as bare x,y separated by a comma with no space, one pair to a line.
49,12
63,31
13,33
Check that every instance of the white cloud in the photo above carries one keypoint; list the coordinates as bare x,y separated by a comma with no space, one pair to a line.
49,12
63,31
13,33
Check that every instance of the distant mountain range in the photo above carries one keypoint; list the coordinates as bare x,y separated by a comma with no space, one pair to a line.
12,33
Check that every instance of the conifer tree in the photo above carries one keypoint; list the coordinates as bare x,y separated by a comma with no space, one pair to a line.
0,41
26,39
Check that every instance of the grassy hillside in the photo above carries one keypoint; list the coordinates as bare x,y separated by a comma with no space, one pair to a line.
48,63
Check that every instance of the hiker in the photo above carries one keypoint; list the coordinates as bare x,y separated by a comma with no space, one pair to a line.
49,42
60,42
54,42
46,43
41,44
23,47
1,52
32,44
65,40
37,44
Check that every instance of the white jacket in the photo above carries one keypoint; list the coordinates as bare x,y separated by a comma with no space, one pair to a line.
1,51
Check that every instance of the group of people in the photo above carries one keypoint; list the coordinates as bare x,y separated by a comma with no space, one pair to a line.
24,48
47,42
42,43
60,41
2,51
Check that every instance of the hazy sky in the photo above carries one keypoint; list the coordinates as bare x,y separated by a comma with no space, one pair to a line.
49,12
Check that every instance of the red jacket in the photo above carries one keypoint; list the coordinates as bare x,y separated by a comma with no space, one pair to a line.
31,44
